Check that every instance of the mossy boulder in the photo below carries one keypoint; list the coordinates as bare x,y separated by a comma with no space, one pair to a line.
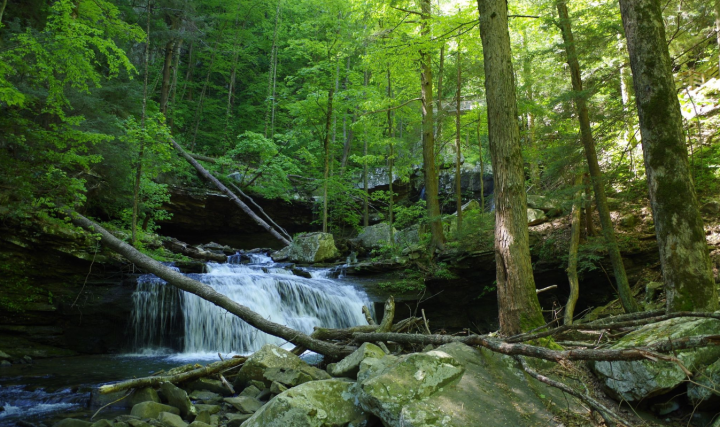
535,216
704,391
151,410
269,356
313,247
373,237
409,236
637,380
350,365
178,398
326,403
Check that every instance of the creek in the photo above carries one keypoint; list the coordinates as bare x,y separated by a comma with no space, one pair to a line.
169,327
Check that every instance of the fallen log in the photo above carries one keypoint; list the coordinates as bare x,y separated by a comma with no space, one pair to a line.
208,176
498,346
210,369
209,294
174,245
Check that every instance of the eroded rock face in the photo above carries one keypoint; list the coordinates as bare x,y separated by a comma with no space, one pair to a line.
313,247
324,403
637,380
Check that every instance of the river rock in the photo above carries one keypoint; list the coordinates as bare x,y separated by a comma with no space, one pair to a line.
102,423
244,404
210,409
269,356
178,398
458,386
205,396
700,391
171,420
203,417
286,377
147,394
72,422
235,420
408,236
323,403
4,355
350,365
281,255
151,410
215,386
638,380
313,247
277,388
197,423
251,391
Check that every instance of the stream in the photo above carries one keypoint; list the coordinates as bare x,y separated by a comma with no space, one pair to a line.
169,328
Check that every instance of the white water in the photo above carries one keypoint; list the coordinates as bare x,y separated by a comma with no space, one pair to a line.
165,317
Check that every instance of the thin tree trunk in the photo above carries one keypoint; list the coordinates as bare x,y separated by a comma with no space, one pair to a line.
589,226
138,167
482,164
439,109
348,134
188,73
199,110
529,81
272,75
573,253
391,155
685,261
519,308
366,189
458,181
623,287
170,115
326,146
209,294
431,178
167,76
2,10
717,29
233,74
206,175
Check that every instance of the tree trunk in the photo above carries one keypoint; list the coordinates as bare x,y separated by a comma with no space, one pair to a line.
482,164
623,287
207,293
141,154
519,308
573,253
2,10
188,74
326,146
717,29
438,109
589,226
391,155
206,175
684,257
431,178
272,74
233,75
199,110
458,183
174,84
167,76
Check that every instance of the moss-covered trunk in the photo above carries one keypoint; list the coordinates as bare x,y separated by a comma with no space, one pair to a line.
517,301
684,257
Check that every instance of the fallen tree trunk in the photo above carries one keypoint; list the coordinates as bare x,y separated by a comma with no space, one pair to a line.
209,294
174,245
208,176
210,369
498,346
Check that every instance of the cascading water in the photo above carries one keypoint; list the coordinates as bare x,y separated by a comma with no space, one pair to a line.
164,317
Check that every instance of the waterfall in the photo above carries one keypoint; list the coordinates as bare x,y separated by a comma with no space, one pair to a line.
165,317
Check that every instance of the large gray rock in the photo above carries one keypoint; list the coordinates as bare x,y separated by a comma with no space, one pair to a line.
374,236
704,390
152,410
313,247
638,380
244,404
350,365
269,356
326,403
286,377
408,236
171,420
543,203
535,216
458,386
147,394
178,398
215,386
205,396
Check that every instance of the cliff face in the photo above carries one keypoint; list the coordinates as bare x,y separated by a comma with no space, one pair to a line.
60,293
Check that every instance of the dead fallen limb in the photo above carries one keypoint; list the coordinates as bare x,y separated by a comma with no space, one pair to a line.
520,349
207,293
608,415
210,369
208,176
610,325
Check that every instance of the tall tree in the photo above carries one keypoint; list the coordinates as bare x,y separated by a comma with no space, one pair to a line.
717,28
428,140
684,257
458,153
519,308
596,175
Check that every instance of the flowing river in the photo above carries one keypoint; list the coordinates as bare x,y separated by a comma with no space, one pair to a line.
169,327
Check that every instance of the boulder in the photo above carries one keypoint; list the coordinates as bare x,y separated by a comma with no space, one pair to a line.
236,420
244,404
313,247
210,409
638,380
197,423
373,237
543,203
151,410
281,255
458,386
205,396
171,420
277,388
203,417
269,356
147,394
535,216
215,386
350,365
72,422
323,403
102,423
251,391
704,390
4,355
408,236
178,398
286,377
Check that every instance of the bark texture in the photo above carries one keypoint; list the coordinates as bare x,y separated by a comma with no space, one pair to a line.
684,257
596,176
431,176
326,147
573,254
519,308
717,28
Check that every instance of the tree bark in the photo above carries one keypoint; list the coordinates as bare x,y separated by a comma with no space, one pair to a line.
458,182
482,164
206,175
272,75
207,293
717,29
326,146
684,257
439,109
2,10
573,253
431,177
519,308
167,76
589,226
623,287
390,161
